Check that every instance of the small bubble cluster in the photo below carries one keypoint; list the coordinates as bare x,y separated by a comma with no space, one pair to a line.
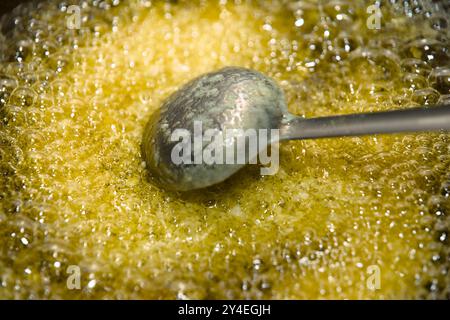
73,188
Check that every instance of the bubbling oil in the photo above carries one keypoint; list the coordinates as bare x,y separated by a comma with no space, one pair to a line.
343,218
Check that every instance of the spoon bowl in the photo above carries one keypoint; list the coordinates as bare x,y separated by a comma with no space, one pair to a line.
231,98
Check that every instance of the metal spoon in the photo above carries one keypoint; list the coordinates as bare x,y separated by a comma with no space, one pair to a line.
240,98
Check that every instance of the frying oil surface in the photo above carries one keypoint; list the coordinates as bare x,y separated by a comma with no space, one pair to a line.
73,190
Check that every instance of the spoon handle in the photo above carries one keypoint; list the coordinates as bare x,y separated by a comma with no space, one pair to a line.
431,118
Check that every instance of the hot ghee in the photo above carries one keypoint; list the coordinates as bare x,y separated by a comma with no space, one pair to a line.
74,192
